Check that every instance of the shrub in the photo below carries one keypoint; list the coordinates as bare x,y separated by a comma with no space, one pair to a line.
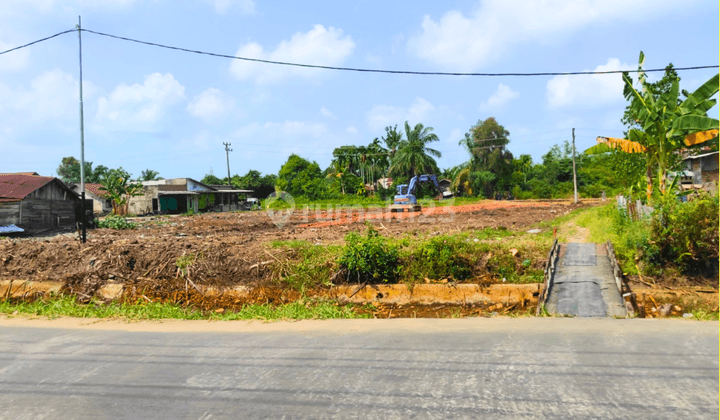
687,233
633,239
369,258
115,222
540,188
439,258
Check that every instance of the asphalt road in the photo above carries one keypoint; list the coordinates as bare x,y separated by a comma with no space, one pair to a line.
471,368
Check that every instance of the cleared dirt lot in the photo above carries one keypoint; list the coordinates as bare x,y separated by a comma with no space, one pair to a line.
234,252
234,247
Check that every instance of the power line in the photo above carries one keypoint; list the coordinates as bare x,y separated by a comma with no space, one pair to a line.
38,41
363,70
424,73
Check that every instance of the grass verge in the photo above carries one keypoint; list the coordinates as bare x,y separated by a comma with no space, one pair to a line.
488,255
58,306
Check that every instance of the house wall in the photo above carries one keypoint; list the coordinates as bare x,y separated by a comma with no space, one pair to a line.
10,213
143,203
709,168
48,207
192,186
697,171
46,214
100,204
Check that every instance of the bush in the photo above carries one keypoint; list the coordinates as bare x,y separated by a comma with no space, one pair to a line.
439,258
370,258
540,188
115,222
687,233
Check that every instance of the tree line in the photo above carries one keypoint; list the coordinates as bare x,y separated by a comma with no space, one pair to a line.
658,122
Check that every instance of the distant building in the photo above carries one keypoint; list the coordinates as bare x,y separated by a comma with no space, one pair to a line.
385,182
36,203
101,202
704,167
181,195
701,172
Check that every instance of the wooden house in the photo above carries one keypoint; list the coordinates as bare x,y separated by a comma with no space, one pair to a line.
36,202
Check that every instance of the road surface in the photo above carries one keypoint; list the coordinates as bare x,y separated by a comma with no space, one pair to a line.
365,369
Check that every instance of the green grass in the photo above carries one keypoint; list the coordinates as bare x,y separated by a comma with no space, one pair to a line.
704,315
628,237
460,257
58,306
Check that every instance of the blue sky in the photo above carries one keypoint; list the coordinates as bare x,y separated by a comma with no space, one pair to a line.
170,111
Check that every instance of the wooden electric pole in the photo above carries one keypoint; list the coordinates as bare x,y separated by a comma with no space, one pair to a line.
227,155
574,172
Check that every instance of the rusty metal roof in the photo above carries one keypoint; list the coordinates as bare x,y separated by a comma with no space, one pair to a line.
20,173
95,189
15,187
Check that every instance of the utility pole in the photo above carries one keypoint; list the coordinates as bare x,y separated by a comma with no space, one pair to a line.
574,172
82,140
227,155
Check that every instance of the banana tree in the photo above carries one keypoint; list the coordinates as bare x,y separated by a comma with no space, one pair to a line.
119,190
667,124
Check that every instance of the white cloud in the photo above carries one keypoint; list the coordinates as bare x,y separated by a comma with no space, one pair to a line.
52,95
500,98
467,43
139,104
352,130
587,91
326,113
245,7
321,46
381,116
210,105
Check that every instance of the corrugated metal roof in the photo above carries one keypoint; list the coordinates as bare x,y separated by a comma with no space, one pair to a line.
702,156
17,187
20,173
228,188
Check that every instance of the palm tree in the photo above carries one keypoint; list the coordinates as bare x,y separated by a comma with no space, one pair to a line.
393,138
149,175
378,159
413,156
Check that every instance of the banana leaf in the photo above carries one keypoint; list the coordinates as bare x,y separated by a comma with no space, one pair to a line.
701,94
685,124
598,149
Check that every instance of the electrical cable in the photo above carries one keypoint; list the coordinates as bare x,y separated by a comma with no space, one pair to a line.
38,41
423,73
363,70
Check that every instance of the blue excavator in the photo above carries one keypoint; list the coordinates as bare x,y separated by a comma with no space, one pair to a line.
405,198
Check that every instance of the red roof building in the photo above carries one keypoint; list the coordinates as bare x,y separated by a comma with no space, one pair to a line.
36,202
15,187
